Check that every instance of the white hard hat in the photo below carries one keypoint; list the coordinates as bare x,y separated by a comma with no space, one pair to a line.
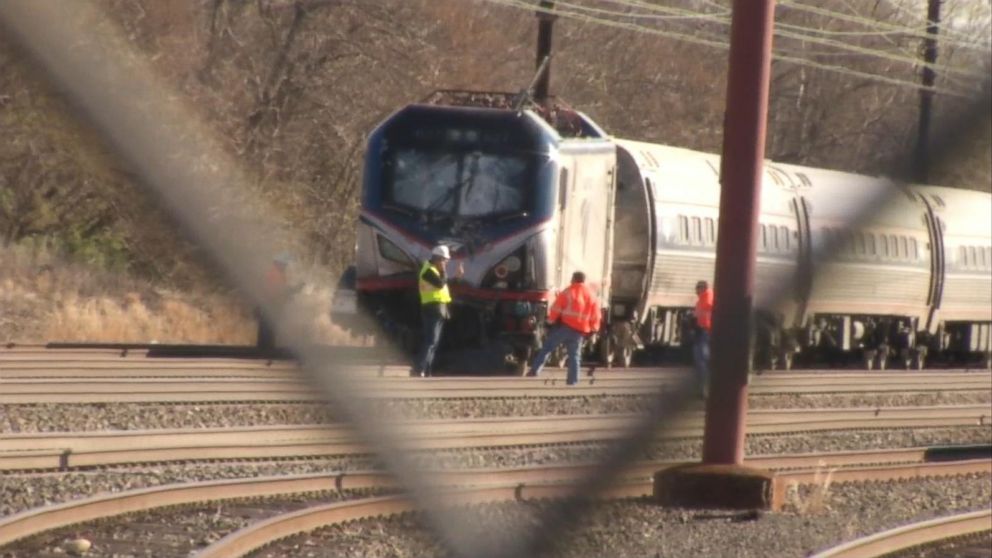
441,251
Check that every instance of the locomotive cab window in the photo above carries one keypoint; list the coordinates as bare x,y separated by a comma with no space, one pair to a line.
453,183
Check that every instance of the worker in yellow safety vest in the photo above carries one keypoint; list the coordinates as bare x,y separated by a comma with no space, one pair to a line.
576,314
432,281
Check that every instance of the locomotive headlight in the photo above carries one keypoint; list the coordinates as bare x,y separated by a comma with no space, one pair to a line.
512,264
508,273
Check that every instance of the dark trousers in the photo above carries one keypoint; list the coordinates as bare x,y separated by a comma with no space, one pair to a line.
265,342
701,359
431,323
572,339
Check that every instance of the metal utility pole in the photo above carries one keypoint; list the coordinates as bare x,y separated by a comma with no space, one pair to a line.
922,159
544,26
740,177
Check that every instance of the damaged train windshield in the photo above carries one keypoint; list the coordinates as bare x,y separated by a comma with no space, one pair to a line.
458,183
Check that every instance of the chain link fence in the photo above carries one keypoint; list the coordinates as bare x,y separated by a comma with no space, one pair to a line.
180,164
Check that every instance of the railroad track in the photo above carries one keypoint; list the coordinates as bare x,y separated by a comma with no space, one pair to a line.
65,450
293,389
924,533
494,485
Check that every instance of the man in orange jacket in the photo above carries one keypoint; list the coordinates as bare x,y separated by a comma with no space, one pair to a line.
277,291
701,347
575,314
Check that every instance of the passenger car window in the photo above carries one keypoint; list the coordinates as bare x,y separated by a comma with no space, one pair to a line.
563,188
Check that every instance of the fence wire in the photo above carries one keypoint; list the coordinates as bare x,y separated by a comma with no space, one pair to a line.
113,88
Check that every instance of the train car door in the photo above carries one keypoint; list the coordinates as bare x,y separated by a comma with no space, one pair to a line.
564,190
804,266
936,289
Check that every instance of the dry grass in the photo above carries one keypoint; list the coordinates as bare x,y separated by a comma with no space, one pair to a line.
810,500
130,319
46,299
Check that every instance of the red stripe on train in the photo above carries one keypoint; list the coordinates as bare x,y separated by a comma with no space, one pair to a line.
397,283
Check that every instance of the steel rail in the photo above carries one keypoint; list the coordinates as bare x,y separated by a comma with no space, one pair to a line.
46,518
220,390
264,532
104,439
50,451
915,534
137,358
126,371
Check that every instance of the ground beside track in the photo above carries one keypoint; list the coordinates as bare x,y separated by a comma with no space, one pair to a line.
21,491
145,416
638,528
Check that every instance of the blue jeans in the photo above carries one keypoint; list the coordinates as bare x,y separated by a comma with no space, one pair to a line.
701,359
431,325
573,342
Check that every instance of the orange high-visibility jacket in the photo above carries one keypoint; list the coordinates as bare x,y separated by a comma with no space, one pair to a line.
275,283
577,307
704,310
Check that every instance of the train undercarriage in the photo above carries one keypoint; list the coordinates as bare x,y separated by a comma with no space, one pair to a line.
872,342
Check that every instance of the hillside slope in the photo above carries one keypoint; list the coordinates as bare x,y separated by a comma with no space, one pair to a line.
292,87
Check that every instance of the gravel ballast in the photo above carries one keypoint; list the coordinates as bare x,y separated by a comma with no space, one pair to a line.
19,492
638,528
171,532
135,416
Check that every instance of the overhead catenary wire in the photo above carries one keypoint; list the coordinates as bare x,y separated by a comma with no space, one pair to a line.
523,5
878,27
920,33
786,31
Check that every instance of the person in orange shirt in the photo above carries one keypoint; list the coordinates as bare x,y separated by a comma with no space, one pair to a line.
701,347
575,314
278,292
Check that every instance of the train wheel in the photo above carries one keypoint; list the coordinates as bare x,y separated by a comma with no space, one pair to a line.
626,356
919,360
606,352
522,358
869,360
883,360
787,360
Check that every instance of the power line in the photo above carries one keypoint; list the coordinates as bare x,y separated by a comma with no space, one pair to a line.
794,32
861,20
521,4
878,28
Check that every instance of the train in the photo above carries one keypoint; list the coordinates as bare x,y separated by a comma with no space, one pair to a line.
523,195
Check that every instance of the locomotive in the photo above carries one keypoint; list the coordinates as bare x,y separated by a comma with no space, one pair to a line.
525,195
